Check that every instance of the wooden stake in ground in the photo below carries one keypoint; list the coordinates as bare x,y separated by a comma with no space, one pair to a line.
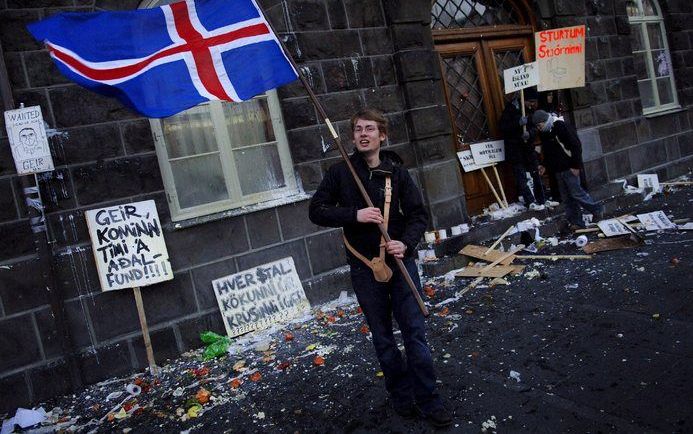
476,281
153,369
500,185
493,189
505,234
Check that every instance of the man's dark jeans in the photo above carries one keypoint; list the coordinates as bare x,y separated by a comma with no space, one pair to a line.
538,197
574,196
380,302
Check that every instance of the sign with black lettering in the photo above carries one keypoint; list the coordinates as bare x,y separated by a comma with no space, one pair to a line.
655,221
486,153
28,140
613,227
128,245
520,77
256,298
560,58
467,160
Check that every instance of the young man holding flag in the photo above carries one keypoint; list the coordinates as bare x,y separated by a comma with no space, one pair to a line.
380,287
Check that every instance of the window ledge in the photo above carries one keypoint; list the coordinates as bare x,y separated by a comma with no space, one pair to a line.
183,224
665,112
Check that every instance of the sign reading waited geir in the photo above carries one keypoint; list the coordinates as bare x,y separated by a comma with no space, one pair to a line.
28,140
259,297
128,245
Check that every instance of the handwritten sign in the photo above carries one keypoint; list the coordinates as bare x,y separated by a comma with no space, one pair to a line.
487,153
613,227
128,245
520,77
256,298
28,140
648,181
560,58
654,221
467,160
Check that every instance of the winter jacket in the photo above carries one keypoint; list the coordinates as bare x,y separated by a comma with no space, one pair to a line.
562,148
517,151
337,200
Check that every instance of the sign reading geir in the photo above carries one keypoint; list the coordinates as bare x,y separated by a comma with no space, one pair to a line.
486,153
28,140
128,245
256,298
520,77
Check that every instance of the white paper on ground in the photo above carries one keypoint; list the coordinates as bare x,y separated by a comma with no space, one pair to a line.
612,227
24,418
654,221
687,226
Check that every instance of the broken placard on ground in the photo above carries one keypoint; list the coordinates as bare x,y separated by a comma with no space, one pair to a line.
648,180
259,297
613,227
654,221
623,242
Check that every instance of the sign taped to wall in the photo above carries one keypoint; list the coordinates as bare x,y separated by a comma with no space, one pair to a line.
488,153
28,140
256,298
560,58
128,245
520,77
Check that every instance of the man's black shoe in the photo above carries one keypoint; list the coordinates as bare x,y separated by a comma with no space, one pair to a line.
406,411
439,418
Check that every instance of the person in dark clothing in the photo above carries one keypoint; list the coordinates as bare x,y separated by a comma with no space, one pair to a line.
338,203
563,155
519,151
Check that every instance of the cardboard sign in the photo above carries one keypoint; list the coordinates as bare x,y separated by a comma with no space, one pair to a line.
256,298
128,245
654,221
467,160
28,140
560,58
486,153
613,227
520,77
648,181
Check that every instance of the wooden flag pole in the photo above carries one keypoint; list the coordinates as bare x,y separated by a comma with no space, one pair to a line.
358,182
153,369
493,189
522,105
500,185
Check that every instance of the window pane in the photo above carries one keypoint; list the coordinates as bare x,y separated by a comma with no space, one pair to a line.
259,169
189,133
249,122
646,93
664,89
199,180
655,34
662,65
636,39
648,8
632,9
640,63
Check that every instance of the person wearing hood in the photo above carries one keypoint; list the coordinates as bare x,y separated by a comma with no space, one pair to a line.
563,156
518,137
380,288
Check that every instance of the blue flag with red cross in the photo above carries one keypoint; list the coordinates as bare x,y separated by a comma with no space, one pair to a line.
164,60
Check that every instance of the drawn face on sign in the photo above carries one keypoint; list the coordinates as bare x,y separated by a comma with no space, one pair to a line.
28,141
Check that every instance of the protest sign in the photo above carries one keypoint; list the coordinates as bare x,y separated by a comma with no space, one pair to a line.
128,245
560,58
258,297
467,160
613,227
486,153
648,181
654,221
520,77
28,140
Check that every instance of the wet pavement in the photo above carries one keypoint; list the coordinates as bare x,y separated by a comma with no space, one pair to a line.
598,345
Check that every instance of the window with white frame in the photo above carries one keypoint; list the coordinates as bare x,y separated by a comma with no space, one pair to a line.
651,56
220,156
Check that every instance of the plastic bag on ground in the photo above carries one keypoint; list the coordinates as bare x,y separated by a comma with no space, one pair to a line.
217,345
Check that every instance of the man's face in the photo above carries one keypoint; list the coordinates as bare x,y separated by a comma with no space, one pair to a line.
531,104
367,136
27,137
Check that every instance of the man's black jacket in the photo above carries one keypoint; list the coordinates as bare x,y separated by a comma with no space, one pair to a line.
337,200
517,151
562,148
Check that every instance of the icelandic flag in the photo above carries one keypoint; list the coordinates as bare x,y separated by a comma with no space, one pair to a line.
164,60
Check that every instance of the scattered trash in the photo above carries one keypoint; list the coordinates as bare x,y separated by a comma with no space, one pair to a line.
514,375
489,424
24,418
217,345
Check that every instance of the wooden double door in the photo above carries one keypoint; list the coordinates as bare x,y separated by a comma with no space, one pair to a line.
472,63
